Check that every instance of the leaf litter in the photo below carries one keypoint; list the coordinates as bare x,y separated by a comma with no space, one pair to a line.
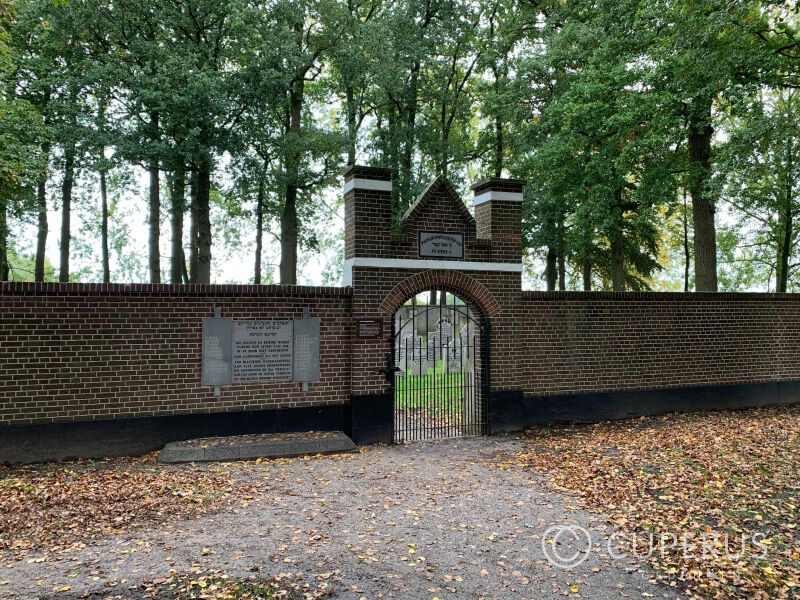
715,495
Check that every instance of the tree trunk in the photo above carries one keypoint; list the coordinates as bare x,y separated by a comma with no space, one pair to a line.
498,147
203,222
393,161
784,250
687,257
617,240
155,211
104,227
289,221
705,235
352,132
289,237
562,267
441,167
587,275
66,211
409,136
42,229
259,232
193,229
498,129
4,268
177,208
551,269
785,246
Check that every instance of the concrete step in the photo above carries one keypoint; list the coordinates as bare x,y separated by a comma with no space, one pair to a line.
265,445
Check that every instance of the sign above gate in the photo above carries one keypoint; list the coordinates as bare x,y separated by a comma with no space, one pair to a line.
439,244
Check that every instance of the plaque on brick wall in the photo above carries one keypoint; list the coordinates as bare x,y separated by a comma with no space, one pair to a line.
262,350
217,363
248,351
306,349
369,328
439,244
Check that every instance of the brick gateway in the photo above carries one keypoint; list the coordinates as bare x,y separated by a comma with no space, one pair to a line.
89,369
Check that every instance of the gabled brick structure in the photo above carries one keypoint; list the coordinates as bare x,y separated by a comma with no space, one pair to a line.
384,267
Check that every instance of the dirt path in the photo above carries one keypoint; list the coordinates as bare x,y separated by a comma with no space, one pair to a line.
434,519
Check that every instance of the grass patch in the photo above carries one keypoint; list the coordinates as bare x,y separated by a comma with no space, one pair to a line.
417,391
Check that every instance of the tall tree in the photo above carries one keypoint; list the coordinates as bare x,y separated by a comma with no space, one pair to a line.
21,137
696,39
762,162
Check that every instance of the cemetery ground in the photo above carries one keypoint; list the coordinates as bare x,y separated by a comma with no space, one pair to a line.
450,518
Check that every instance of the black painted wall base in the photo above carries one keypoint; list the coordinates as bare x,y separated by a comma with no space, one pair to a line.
368,419
371,419
129,437
512,410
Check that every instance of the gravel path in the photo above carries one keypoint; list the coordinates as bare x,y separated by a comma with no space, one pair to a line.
435,519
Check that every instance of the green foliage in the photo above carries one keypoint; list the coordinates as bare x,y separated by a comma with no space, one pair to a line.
21,268
21,129
593,104
761,166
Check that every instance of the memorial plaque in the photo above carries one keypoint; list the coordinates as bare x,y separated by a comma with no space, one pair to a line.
217,363
306,349
438,244
262,350
369,328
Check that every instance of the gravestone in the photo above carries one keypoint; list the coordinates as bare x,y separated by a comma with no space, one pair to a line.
439,340
453,356
466,348
416,357
401,349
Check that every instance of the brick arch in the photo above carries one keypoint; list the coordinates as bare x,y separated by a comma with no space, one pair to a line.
452,281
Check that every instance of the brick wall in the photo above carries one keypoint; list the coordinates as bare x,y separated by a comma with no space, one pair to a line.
579,343
71,352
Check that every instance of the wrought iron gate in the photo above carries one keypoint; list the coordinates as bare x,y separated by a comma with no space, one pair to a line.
440,368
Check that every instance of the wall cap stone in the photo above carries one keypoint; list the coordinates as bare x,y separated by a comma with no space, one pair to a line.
169,289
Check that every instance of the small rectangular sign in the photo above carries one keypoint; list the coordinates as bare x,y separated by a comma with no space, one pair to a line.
369,328
306,349
440,244
217,359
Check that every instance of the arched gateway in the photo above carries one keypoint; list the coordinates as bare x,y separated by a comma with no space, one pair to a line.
436,303
440,352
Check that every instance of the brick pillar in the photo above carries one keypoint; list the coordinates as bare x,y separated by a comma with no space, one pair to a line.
367,214
368,221
498,216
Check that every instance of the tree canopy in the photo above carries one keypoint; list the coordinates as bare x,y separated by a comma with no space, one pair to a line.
658,139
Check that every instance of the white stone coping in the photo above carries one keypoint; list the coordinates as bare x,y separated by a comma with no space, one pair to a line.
413,263
497,195
359,183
